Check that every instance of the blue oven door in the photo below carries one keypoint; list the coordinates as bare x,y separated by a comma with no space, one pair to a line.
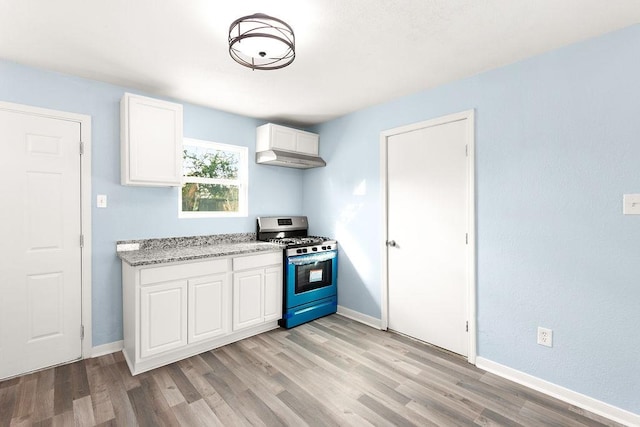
311,277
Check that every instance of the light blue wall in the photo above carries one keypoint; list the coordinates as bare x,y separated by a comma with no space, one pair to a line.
138,212
557,145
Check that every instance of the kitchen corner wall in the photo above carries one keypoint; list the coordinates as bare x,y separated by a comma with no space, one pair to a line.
140,212
557,145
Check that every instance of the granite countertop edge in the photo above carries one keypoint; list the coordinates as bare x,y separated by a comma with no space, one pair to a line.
177,249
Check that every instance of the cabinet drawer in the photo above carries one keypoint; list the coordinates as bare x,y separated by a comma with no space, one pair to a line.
183,271
257,261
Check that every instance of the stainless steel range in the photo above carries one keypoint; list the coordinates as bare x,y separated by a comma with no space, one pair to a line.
310,269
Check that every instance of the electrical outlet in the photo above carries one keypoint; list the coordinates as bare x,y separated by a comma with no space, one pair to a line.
545,337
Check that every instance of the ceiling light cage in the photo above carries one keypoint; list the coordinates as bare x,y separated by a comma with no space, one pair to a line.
261,42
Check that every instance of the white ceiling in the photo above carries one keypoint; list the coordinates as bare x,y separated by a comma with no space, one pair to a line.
350,54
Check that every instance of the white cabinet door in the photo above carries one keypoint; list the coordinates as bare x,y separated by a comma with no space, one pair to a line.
163,317
283,138
208,307
247,299
307,143
273,294
270,136
151,141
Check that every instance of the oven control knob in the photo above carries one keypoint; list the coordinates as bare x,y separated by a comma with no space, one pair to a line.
299,251
324,248
304,250
329,247
314,249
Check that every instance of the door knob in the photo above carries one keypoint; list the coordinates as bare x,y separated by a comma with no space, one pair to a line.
392,243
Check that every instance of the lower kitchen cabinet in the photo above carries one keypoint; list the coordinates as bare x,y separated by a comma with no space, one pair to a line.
163,315
175,310
208,307
257,290
273,293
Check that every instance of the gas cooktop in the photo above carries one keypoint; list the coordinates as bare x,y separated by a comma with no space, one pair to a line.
293,242
291,232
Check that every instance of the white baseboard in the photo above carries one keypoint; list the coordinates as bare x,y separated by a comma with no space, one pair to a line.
359,317
108,348
574,398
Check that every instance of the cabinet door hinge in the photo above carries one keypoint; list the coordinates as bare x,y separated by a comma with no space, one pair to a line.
466,150
467,328
82,240
81,332
81,148
466,238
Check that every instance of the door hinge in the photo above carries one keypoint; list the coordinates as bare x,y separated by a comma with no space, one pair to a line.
82,240
81,148
466,150
81,332
467,329
466,238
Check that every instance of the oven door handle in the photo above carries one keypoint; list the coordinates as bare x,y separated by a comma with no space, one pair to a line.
312,258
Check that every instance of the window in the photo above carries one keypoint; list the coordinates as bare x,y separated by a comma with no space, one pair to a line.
214,180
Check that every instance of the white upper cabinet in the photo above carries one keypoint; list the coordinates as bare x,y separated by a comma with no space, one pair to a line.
276,137
151,141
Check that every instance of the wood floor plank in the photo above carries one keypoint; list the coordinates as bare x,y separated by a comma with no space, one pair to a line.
185,415
102,406
62,398
194,374
123,411
489,418
167,386
159,404
260,383
542,400
7,403
63,420
83,412
25,399
143,408
44,391
79,381
382,410
229,397
328,372
182,382
204,414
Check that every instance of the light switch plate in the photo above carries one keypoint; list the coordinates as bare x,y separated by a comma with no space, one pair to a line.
631,204
101,201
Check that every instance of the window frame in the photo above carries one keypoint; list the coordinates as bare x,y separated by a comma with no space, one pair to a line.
242,182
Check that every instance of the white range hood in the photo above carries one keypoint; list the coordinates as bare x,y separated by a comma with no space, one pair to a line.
283,146
289,159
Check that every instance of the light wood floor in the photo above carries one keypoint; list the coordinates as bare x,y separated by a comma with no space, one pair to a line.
328,372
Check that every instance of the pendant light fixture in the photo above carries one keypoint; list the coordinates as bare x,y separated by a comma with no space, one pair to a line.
261,42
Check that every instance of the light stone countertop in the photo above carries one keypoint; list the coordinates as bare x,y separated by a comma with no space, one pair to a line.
159,251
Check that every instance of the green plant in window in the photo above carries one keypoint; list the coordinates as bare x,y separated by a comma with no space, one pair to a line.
208,196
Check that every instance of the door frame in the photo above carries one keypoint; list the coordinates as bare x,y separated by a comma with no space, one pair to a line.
471,219
85,206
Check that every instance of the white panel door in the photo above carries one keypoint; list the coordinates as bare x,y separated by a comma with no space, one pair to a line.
163,317
283,138
208,307
247,299
427,226
40,253
273,294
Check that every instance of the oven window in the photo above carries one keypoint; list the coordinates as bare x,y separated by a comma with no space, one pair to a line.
313,275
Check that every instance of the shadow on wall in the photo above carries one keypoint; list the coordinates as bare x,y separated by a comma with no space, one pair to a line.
355,269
